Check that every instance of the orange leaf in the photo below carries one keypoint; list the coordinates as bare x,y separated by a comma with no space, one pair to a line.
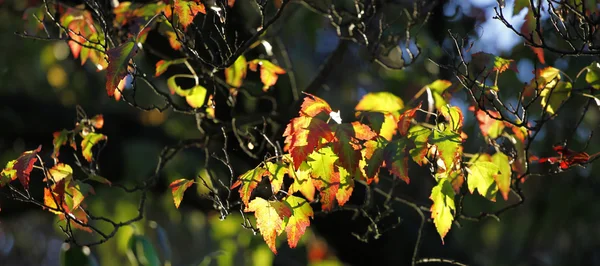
187,10
299,220
303,135
270,217
406,118
248,182
314,105
178,188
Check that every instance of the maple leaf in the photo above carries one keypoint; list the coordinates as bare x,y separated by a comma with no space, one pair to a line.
345,187
592,76
268,72
374,156
299,220
187,10
328,188
270,217
303,135
453,116
347,144
437,89
302,181
494,63
162,65
77,193
405,119
277,172
88,142
482,174
321,162
248,182
546,77
503,179
61,171
489,126
384,102
313,105
60,139
419,135
395,158
118,59
236,73
554,96
443,207
23,166
178,188
97,121
448,145
382,123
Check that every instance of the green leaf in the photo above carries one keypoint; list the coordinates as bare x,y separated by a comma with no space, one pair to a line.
143,251
374,156
235,74
449,146
118,59
321,162
383,102
302,181
8,174
60,139
396,160
438,88
162,65
593,75
443,208
554,96
420,136
88,142
503,179
100,179
194,97
481,177
453,115
277,172
178,188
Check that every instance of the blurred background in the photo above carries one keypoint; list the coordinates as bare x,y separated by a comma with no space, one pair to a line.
41,84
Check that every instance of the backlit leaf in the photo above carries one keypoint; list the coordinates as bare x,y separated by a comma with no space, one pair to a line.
396,160
546,77
328,188
302,135
405,119
61,171
195,96
443,208
420,136
235,74
24,165
437,89
321,162
346,186
118,59
453,116
384,102
268,72
277,172
449,146
592,76
503,179
248,182
489,126
313,105
495,63
178,188
553,97
60,139
88,142
382,123
9,173
302,181
299,220
270,217
162,65
186,11
374,156
481,176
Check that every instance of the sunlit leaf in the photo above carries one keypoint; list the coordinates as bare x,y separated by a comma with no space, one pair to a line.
503,179
443,208
546,77
162,65
268,72
374,156
437,89
448,145
553,97
348,143
24,165
592,76
405,119
9,173
453,116
313,105
61,171
88,142
489,126
60,139
321,162
328,188
236,73
270,217
277,172
495,63
346,186
382,123
396,160
302,181
420,136
302,136
384,102
195,96
481,176
248,182
118,59
186,11
299,220
178,188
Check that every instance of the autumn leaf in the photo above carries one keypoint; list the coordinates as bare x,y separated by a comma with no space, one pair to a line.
546,77
88,142
481,176
61,171
24,164
567,157
248,182
503,179
118,59
162,65
303,135
186,11
383,102
348,143
8,174
302,181
382,123
419,135
443,208
553,97
448,145
178,188
235,74
453,116
277,171
374,156
270,217
592,76
495,63
396,160
345,187
328,188
489,126
268,72
313,105
97,121
195,96
405,119
321,162
299,220
60,139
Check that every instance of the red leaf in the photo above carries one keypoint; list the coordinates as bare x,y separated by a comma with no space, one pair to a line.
405,118
314,105
118,58
186,11
248,182
488,125
24,165
302,136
